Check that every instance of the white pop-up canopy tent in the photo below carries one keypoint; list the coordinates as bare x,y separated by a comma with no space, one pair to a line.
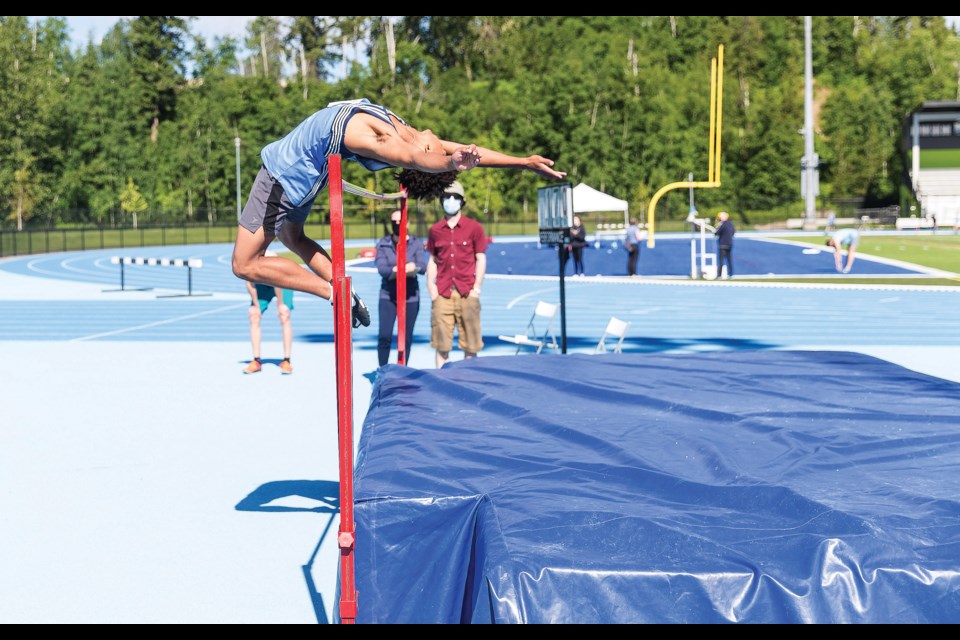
586,199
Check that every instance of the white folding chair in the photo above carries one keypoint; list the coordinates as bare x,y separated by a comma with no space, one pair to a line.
616,328
543,316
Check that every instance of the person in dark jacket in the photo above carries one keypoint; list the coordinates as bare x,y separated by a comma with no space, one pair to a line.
724,234
578,240
386,261
631,242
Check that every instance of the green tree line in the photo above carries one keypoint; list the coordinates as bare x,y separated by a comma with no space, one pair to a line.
145,123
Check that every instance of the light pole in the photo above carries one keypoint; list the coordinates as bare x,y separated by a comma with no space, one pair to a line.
236,142
810,172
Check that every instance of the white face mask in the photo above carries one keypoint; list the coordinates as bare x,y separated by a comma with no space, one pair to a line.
451,205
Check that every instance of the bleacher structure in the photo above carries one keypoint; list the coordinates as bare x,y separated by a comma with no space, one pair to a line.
933,138
938,191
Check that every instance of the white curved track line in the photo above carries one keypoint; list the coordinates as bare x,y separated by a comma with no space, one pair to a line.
104,263
32,266
643,312
160,322
525,296
66,265
756,282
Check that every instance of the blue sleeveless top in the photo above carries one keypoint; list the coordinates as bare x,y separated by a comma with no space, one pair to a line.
846,237
298,161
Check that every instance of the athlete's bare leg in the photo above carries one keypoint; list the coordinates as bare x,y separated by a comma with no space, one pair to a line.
851,252
312,254
250,263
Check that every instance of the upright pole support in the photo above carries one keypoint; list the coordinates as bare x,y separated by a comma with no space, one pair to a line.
402,284
236,143
342,335
694,273
811,162
561,251
703,248
713,159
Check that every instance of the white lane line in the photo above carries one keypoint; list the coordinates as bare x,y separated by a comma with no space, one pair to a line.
527,295
66,265
160,322
65,269
104,263
32,266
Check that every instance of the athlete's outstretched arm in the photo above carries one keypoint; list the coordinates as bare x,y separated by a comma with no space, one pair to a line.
372,138
497,159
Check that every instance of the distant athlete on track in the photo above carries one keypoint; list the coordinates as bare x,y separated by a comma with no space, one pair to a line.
294,171
844,239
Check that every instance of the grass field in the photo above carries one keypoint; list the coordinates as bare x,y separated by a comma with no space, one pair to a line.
940,159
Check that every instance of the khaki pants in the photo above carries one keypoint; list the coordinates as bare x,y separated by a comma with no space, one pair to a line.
460,313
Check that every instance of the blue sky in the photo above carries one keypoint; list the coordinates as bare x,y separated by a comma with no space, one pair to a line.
83,28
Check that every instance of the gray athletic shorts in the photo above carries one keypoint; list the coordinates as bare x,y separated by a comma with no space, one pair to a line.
268,206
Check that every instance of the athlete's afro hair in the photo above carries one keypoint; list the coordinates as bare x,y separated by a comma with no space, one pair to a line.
420,185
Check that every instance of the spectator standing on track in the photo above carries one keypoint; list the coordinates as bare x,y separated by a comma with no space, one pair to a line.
260,297
578,240
386,261
831,221
455,271
631,242
724,233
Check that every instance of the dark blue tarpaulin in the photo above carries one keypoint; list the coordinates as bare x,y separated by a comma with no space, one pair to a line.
742,486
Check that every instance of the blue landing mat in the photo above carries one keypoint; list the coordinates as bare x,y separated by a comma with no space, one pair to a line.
748,486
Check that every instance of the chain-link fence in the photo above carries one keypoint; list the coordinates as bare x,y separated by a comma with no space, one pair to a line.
32,240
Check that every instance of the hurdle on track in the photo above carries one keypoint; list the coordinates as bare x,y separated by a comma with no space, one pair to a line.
189,263
342,335
123,283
